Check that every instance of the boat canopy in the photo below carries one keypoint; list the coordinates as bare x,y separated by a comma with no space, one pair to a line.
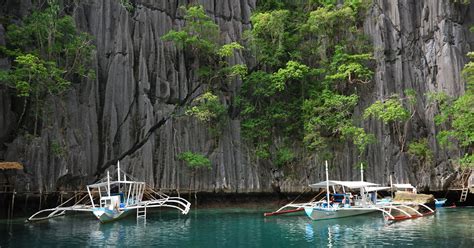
403,186
348,184
105,184
370,189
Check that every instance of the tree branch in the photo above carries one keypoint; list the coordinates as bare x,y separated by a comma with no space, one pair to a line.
139,143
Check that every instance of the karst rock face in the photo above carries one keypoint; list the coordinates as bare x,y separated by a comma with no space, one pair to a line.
140,79
419,45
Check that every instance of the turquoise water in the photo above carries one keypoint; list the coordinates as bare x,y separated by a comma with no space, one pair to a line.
242,228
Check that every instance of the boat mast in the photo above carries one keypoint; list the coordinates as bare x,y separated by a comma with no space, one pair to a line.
361,172
108,183
118,170
327,183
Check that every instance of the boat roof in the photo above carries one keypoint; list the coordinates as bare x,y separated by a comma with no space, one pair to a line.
104,184
11,166
403,186
349,184
370,189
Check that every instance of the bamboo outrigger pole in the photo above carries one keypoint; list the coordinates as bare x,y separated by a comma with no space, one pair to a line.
108,183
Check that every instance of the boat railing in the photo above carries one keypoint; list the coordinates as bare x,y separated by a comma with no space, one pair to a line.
159,199
407,209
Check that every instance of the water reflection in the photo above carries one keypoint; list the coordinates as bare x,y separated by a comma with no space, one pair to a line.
243,228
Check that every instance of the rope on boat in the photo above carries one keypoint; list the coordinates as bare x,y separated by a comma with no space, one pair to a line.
314,198
299,196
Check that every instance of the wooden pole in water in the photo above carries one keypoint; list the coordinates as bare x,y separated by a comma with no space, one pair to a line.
41,195
26,201
13,204
9,207
391,186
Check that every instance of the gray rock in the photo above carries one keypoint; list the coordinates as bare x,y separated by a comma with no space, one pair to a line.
140,79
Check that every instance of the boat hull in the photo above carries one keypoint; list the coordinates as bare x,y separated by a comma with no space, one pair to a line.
105,215
325,213
440,202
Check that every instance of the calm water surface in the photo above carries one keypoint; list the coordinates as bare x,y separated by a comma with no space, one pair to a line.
242,228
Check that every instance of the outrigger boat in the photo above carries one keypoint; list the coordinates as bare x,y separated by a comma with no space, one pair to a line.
363,204
330,209
114,198
298,208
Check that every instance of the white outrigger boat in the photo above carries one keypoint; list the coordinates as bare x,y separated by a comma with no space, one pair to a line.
363,204
112,199
347,207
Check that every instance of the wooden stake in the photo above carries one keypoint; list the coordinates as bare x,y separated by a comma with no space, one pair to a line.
13,204
41,196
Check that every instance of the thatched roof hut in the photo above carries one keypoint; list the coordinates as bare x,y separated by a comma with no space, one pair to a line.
11,166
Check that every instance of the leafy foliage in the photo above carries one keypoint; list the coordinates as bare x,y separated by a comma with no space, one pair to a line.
200,37
325,115
284,156
466,2
269,36
388,111
358,135
310,56
420,150
57,149
207,108
200,33
395,112
127,5
52,36
47,52
195,160
350,67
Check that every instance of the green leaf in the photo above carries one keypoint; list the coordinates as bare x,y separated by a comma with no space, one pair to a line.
227,50
195,160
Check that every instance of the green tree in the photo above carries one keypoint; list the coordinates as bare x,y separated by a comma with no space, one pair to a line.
420,151
200,38
194,161
396,112
47,53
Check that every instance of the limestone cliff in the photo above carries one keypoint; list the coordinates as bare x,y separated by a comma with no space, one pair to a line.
420,45
140,80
